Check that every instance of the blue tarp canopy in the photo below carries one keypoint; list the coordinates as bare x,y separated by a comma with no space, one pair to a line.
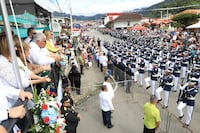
25,18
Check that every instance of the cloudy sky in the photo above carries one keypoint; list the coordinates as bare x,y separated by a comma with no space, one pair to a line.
91,7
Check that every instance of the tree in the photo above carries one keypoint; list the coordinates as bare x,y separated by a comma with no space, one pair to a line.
185,19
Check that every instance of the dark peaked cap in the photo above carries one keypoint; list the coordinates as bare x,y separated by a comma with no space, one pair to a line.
65,82
65,99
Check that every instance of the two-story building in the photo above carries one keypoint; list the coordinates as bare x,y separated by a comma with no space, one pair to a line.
122,20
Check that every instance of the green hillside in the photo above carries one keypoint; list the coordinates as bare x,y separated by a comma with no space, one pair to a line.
167,4
147,11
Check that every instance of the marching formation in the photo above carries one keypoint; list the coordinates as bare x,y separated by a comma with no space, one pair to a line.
163,62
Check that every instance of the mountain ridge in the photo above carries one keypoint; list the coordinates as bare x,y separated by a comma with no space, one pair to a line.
170,4
144,11
80,17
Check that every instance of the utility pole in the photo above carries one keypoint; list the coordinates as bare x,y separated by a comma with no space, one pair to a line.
71,22
161,16
167,13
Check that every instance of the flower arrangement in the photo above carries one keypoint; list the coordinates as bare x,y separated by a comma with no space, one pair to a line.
47,117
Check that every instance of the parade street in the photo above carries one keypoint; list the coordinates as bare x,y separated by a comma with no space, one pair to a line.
128,114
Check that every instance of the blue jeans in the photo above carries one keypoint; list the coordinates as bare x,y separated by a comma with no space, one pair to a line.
106,118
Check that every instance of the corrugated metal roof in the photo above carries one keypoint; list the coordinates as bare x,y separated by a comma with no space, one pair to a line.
129,16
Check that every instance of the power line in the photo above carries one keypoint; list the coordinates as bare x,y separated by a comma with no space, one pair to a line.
58,6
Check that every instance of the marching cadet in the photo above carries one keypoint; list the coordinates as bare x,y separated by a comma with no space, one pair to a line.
147,58
129,77
176,73
172,57
184,66
154,78
72,117
133,63
167,84
141,71
121,72
194,76
163,65
187,98
133,67
115,70
197,62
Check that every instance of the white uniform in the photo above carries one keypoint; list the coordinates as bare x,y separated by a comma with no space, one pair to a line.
110,89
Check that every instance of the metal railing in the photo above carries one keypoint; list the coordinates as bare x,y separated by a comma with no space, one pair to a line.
10,123
169,122
55,76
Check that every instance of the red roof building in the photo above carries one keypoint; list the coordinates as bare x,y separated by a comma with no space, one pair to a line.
123,20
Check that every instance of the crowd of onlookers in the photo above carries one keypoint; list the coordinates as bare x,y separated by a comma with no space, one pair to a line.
37,55
136,53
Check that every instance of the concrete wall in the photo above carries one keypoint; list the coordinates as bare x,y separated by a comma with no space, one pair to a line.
124,24
106,19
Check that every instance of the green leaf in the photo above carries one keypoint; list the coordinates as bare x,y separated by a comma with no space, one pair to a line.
35,95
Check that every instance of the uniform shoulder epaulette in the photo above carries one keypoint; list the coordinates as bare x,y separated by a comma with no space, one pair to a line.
66,114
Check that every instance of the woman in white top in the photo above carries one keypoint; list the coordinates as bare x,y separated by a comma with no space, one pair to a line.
7,75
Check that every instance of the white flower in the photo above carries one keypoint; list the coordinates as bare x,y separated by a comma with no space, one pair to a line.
60,121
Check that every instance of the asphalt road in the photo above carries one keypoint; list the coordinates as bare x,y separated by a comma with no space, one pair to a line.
128,114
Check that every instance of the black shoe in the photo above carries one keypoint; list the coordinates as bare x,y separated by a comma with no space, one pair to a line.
180,117
185,125
148,87
111,126
159,100
173,90
164,107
